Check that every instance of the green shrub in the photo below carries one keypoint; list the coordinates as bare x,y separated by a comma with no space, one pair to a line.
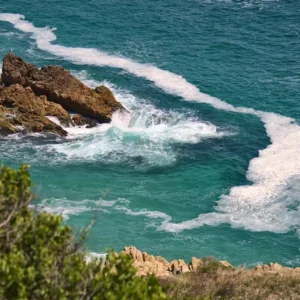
41,259
210,265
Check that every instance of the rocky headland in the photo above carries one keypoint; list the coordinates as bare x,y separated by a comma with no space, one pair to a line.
159,266
29,95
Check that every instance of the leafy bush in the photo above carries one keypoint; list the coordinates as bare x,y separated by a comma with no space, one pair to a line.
210,265
41,259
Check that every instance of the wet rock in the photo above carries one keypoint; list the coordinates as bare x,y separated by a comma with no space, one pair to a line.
23,111
6,127
14,70
59,86
79,120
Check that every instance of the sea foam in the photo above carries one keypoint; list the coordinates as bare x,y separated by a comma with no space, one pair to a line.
146,133
270,203
67,208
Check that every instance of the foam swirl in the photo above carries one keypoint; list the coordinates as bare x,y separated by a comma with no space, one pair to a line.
270,203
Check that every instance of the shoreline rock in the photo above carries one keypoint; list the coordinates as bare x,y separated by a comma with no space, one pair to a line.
28,95
160,267
22,111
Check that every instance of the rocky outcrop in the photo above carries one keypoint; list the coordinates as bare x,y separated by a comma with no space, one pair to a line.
157,265
15,70
22,111
59,86
275,268
149,264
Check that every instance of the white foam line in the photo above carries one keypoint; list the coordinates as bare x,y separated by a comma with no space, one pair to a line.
169,82
264,205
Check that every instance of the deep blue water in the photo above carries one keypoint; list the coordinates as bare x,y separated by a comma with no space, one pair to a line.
174,176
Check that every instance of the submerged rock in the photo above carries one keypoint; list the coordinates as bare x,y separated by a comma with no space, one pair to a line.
59,86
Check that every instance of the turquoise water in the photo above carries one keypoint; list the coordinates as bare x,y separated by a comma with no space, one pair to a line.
185,174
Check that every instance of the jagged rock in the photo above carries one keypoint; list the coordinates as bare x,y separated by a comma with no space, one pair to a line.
147,264
59,86
23,111
274,267
33,123
16,71
157,265
134,253
178,267
258,268
6,127
79,120
195,263
226,264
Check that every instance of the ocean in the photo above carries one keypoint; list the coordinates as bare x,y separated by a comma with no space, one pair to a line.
208,162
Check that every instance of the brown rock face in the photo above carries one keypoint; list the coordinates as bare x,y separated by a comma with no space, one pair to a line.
15,70
178,267
79,120
195,263
147,264
22,111
59,86
157,265
6,127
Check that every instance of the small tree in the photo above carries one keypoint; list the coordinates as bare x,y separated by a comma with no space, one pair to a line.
41,259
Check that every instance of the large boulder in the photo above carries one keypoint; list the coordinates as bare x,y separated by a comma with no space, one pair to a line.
22,111
147,264
59,86
15,70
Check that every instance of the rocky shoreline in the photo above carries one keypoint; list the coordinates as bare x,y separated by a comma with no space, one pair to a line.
159,266
28,96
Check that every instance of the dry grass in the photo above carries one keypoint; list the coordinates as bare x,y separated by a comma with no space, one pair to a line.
214,281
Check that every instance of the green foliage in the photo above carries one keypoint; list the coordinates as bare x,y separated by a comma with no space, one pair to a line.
210,266
41,259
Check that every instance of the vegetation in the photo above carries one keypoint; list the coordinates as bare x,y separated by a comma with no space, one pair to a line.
41,259
214,281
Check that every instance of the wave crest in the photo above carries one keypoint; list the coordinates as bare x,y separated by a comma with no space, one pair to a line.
267,204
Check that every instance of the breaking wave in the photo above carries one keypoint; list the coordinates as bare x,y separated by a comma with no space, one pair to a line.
269,204
67,208
145,134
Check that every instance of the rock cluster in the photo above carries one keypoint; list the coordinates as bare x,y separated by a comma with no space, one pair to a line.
275,267
149,264
157,265
28,96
